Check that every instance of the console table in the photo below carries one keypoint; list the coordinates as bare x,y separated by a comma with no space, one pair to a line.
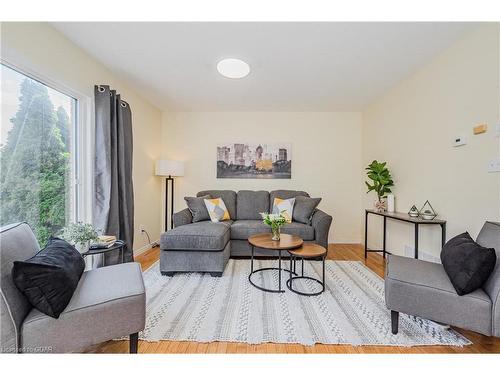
401,217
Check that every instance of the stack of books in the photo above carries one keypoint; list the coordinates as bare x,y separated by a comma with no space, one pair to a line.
105,242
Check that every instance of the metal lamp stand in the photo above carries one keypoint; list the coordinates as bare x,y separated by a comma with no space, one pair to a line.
171,179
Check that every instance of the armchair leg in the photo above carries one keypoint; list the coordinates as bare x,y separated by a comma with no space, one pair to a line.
134,342
394,321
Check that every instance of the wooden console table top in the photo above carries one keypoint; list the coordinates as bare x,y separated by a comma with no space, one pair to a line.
405,217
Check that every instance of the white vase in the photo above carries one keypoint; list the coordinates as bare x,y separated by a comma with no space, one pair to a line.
390,203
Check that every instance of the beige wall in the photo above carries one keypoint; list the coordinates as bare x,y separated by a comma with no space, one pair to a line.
412,128
50,54
326,156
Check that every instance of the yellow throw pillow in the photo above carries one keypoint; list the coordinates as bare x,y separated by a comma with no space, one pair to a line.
284,207
217,210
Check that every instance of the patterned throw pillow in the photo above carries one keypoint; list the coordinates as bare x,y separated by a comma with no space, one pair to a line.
284,207
217,210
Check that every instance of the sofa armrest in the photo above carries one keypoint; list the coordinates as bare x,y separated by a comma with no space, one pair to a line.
321,222
182,218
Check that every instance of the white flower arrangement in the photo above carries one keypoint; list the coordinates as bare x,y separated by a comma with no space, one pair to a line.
275,221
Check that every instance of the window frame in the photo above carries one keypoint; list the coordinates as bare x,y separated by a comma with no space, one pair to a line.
82,139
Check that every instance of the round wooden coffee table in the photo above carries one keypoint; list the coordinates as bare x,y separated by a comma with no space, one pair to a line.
264,241
308,251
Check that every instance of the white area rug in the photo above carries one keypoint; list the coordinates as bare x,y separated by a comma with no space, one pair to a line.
198,307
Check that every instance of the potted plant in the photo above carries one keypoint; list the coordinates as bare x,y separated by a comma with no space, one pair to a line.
275,221
381,182
80,235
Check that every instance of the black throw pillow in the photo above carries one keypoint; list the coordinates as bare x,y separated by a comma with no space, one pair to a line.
467,264
50,277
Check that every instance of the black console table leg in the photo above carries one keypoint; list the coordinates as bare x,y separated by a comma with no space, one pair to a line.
366,234
385,231
416,241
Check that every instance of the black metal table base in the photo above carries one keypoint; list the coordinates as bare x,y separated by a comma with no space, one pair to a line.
289,283
279,269
279,290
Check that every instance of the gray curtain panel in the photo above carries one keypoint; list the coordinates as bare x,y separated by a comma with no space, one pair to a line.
114,193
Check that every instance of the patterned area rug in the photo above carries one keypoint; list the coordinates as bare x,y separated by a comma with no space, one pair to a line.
198,307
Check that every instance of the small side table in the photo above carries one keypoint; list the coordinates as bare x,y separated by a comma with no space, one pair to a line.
308,251
118,245
264,241
401,217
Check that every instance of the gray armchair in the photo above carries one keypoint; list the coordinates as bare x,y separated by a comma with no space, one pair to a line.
108,303
423,289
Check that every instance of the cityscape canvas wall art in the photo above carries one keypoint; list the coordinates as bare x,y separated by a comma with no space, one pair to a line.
254,160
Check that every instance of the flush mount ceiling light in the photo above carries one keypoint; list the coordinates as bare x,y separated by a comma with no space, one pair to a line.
233,68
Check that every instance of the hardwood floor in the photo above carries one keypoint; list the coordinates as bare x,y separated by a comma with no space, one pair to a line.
481,344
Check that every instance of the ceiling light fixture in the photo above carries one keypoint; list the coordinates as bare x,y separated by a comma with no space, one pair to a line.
233,68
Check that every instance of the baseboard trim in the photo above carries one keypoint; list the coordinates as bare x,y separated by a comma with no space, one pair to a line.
345,243
146,247
152,244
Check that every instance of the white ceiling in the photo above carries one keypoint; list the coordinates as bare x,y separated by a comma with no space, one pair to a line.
294,66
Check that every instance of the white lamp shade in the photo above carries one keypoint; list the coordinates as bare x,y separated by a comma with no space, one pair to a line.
169,168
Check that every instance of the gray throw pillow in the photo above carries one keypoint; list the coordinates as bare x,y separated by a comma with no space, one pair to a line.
304,208
197,207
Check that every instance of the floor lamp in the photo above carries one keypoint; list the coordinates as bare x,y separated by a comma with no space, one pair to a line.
169,169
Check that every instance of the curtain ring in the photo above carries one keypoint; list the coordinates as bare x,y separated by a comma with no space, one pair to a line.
100,88
124,105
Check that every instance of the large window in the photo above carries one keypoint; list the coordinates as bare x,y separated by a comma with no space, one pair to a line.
37,154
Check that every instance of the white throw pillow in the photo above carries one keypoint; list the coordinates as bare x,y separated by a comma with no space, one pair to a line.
284,207
217,210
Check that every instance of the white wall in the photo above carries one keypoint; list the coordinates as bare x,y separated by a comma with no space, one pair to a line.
326,157
50,54
412,128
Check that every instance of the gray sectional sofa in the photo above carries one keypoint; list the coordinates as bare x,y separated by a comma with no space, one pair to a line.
206,246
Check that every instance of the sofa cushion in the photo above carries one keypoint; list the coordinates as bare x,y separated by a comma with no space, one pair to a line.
108,303
204,235
304,231
49,278
228,196
285,194
249,204
467,264
242,229
423,289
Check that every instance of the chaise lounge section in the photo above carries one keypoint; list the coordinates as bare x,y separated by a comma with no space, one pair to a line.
206,246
